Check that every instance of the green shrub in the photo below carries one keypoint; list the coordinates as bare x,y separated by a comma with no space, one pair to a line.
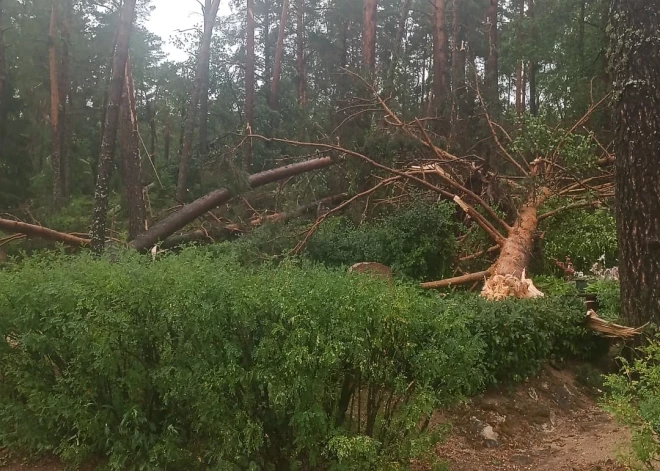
197,362
609,298
417,243
634,398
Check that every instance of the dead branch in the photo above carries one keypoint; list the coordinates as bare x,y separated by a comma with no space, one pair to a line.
482,221
459,280
583,204
476,255
42,232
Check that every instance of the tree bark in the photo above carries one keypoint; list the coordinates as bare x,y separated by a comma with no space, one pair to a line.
109,137
300,54
43,232
369,36
492,62
191,117
167,135
204,95
55,105
520,82
130,158
398,44
279,54
439,57
635,70
197,208
3,72
65,100
533,107
457,68
249,84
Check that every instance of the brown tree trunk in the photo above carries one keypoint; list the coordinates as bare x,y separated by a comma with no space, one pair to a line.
279,54
191,116
369,36
398,44
204,93
65,100
199,207
635,70
3,72
167,136
109,137
55,106
130,158
249,83
533,109
439,57
457,67
267,45
492,62
300,54
520,81
9,225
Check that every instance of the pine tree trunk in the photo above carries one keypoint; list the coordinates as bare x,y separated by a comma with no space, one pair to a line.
369,36
279,54
520,88
204,94
300,54
66,91
267,45
457,67
109,137
439,58
249,83
130,158
191,117
492,62
635,70
398,44
3,80
533,108
55,106
167,136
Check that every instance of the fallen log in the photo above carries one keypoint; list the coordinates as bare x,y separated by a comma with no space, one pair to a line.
42,232
214,233
175,221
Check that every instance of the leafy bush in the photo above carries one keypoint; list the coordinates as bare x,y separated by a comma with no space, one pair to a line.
417,243
634,398
196,362
584,236
609,298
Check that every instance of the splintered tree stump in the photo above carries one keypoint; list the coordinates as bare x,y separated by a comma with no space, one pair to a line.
372,268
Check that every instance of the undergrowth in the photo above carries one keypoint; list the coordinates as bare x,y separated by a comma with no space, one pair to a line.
195,361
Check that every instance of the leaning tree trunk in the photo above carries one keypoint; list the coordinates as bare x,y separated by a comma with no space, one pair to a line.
635,69
300,53
279,54
492,61
130,158
197,208
439,57
55,106
369,36
202,59
109,137
249,84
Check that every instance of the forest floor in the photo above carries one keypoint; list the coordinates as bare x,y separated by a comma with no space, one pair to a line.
550,423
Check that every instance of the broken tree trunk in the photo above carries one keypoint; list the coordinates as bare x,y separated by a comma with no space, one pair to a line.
43,232
197,208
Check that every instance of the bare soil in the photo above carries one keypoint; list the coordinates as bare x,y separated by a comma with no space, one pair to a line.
550,423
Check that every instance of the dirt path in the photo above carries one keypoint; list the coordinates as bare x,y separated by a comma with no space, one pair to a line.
548,424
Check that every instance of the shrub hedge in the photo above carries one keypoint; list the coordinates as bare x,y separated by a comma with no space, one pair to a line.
196,362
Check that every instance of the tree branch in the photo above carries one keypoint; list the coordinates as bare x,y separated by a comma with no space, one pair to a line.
459,280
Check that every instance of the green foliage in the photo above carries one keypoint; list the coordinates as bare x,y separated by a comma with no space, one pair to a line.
634,398
196,362
609,298
417,243
584,236
555,286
